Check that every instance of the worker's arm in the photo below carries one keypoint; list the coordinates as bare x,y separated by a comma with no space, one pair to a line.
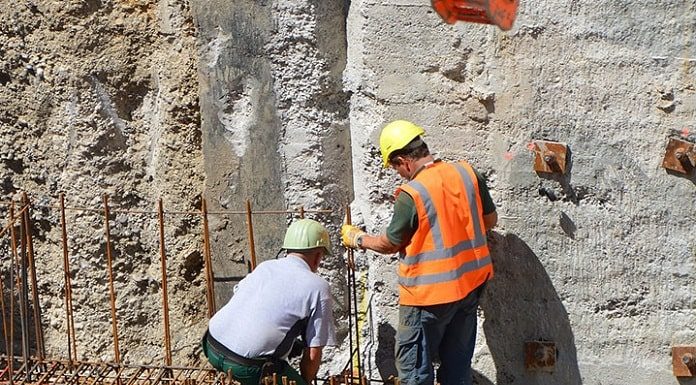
490,220
402,226
379,243
309,366
490,216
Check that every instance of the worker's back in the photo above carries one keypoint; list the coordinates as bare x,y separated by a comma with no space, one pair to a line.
271,307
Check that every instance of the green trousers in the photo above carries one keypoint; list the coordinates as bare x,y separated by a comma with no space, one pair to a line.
247,374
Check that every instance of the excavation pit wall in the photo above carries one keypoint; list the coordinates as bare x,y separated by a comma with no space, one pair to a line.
601,260
291,97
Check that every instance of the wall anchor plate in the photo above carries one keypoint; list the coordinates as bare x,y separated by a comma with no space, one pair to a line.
550,157
684,361
680,156
540,356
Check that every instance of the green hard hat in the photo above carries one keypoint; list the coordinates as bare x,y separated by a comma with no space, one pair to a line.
305,234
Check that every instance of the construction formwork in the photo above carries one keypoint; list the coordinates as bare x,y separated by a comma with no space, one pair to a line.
19,286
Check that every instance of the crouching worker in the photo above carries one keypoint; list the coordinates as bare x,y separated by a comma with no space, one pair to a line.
281,300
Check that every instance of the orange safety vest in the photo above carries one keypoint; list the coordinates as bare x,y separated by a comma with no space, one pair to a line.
447,257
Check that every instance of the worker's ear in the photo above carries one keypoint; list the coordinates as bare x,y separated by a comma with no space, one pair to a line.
316,258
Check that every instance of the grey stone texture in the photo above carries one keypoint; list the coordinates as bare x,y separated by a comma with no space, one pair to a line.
280,103
600,261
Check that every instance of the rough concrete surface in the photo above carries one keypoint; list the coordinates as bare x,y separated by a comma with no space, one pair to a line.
280,103
602,260
101,97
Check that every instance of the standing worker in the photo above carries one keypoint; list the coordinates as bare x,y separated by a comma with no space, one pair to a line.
439,226
282,299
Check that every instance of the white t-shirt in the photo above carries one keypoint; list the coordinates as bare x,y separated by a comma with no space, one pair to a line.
277,296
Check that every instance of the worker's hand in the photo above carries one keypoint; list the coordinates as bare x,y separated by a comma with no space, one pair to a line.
351,235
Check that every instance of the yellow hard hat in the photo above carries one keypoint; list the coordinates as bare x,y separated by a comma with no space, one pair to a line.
395,136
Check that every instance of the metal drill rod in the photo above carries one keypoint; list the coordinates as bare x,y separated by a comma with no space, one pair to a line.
18,282
24,292
9,334
110,270
349,364
40,348
70,328
351,273
165,300
231,212
12,220
10,352
210,293
250,226
4,316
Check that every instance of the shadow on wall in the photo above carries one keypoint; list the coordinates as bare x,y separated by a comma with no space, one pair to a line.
23,334
690,177
480,379
384,356
520,304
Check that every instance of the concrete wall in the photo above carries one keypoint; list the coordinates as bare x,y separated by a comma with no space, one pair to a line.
274,123
602,260
104,97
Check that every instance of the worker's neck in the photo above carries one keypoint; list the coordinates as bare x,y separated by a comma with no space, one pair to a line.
420,164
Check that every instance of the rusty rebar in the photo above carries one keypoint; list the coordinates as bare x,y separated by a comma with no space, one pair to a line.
34,286
20,282
112,293
23,287
351,282
10,353
70,327
165,299
209,279
232,212
12,220
250,227
4,314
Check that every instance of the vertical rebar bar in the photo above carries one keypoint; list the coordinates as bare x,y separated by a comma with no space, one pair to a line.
250,227
112,293
209,279
10,353
40,348
351,274
70,327
4,313
24,289
165,299
20,277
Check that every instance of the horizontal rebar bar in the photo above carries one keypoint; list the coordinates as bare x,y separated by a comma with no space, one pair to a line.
47,371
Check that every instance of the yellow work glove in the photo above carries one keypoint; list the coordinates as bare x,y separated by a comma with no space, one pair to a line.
351,236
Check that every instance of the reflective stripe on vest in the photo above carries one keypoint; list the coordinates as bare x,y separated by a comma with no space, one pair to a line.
441,252
465,256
